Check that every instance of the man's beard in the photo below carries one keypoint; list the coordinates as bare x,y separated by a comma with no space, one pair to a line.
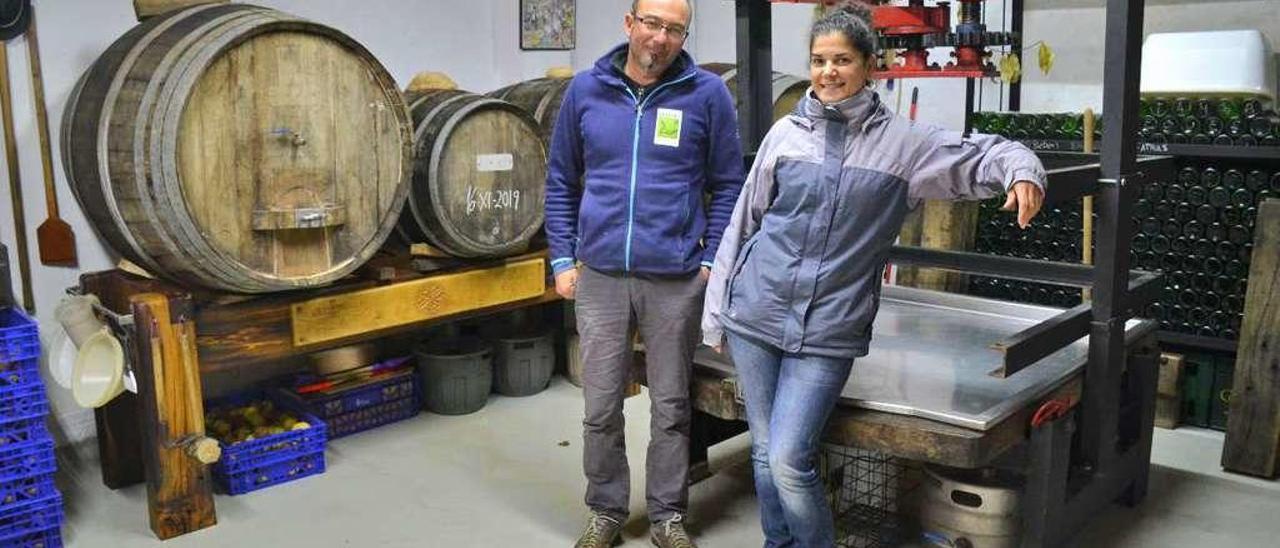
647,62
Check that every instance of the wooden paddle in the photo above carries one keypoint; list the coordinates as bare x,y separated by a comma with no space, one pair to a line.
54,237
15,183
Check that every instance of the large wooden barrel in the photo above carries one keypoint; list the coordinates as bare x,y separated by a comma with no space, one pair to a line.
540,97
479,176
239,148
787,89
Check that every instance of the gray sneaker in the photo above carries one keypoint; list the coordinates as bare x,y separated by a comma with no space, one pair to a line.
601,532
671,534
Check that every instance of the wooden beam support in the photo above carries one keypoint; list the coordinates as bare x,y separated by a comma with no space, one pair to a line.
179,486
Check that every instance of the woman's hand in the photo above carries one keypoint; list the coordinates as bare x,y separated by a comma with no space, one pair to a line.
1025,197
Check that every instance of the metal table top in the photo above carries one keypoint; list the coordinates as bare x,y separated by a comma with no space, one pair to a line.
931,357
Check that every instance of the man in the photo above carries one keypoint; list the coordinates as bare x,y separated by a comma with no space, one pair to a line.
639,138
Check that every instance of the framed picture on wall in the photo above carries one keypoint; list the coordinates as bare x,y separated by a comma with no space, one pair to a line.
548,24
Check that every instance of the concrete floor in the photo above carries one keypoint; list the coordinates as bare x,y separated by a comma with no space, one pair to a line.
510,475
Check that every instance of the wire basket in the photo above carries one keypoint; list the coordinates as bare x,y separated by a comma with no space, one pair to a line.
869,496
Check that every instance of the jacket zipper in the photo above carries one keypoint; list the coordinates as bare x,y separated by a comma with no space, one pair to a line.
635,158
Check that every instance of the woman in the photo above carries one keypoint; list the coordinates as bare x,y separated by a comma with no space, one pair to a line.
796,281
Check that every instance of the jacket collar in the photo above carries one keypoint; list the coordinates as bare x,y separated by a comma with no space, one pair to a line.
683,66
862,110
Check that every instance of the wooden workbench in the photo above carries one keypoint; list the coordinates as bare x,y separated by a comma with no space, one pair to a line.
177,334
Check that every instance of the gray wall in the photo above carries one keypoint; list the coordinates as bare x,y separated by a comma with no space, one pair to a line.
476,42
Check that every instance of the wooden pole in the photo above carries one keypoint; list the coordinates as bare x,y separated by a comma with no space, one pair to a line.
1086,209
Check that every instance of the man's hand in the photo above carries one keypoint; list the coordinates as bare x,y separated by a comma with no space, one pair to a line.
705,273
1026,198
567,283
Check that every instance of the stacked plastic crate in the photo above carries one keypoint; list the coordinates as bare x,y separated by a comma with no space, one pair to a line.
30,505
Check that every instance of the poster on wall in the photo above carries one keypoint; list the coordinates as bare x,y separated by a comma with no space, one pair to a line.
547,24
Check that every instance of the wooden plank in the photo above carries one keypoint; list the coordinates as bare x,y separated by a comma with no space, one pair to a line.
1253,426
950,226
331,318
179,487
716,397
244,335
927,440
254,330
148,8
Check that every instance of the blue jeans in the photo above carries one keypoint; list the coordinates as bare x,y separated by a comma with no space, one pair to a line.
788,398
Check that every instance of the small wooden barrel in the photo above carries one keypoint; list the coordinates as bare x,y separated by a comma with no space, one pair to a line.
787,89
239,148
541,98
479,177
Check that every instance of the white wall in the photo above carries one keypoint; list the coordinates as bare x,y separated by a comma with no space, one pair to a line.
476,42
1075,29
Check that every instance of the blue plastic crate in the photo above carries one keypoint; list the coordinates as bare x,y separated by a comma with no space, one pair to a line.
346,412
20,431
21,483
19,336
21,372
373,417
48,538
31,517
296,466
243,466
15,428
31,453
23,400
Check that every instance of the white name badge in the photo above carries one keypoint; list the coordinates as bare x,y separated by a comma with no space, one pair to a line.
667,131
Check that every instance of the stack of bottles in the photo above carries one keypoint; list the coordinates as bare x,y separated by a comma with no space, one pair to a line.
1197,230
1184,120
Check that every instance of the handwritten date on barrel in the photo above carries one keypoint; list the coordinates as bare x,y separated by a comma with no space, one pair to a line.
487,200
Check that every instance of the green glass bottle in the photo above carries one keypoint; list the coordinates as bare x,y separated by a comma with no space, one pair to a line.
1237,127
1160,108
1262,126
1252,108
1182,107
1203,108
1233,179
1070,126
1212,126
1229,109
1191,125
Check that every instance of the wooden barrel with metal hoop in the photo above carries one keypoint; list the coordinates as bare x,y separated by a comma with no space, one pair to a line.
479,176
239,148
540,97
787,89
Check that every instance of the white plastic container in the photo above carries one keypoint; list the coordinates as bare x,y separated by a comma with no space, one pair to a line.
1219,63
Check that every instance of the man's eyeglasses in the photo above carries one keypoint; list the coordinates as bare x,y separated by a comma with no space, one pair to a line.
654,24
